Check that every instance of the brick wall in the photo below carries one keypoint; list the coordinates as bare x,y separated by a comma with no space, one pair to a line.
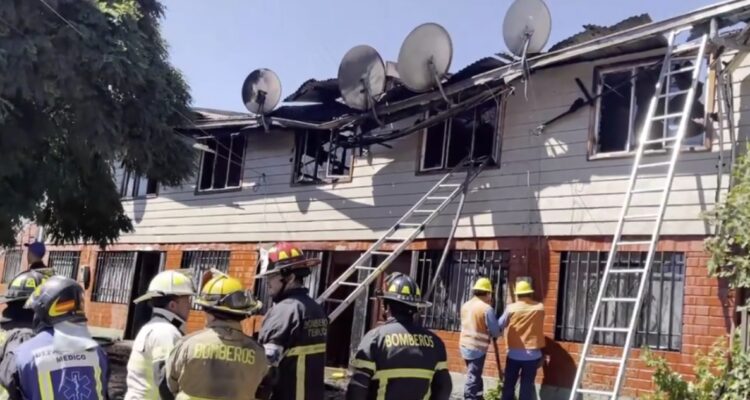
707,303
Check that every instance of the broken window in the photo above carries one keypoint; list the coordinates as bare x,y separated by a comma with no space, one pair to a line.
320,157
471,134
11,264
660,321
221,167
625,94
454,287
134,185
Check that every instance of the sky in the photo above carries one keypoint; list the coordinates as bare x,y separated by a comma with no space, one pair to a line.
216,43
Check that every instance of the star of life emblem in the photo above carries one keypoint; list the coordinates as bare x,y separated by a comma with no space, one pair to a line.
76,387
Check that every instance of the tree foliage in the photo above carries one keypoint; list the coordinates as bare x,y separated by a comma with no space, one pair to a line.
85,86
730,247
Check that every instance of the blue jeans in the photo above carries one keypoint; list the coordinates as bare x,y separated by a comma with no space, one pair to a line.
527,372
474,387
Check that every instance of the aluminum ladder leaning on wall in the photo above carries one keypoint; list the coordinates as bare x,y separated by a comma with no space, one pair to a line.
662,92
411,224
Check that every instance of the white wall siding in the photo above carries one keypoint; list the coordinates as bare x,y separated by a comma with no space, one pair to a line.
544,185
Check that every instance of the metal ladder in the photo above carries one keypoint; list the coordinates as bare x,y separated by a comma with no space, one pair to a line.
662,91
424,211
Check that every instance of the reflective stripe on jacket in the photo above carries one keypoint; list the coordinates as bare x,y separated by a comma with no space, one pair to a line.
475,334
299,326
151,346
44,374
525,325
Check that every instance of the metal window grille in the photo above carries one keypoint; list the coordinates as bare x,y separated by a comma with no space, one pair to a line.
12,264
660,324
312,281
114,276
65,263
457,278
201,261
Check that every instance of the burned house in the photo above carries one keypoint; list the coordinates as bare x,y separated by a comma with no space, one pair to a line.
552,157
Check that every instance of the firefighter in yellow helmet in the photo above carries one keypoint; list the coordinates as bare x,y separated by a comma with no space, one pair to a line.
295,329
220,361
479,326
400,359
523,322
169,294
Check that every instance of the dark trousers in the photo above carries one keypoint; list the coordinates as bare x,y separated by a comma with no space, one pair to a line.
474,387
527,372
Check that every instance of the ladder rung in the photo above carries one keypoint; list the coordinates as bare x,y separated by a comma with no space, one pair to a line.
627,271
666,116
438,198
619,299
632,242
424,211
650,190
353,284
652,165
612,330
641,216
604,360
334,300
363,268
675,93
681,70
597,392
662,140
449,185
382,253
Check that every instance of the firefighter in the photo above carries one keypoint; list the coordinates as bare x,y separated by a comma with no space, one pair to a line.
400,359
16,323
524,325
479,326
220,361
169,294
294,330
62,361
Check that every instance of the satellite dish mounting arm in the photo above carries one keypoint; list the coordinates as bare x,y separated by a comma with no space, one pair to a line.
370,99
261,100
436,76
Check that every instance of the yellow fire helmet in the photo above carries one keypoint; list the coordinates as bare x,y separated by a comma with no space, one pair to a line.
223,293
523,287
168,283
483,284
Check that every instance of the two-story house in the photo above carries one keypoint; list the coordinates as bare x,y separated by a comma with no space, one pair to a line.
545,207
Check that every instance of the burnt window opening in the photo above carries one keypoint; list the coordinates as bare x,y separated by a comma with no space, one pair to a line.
626,93
221,168
11,264
660,319
321,158
471,134
135,186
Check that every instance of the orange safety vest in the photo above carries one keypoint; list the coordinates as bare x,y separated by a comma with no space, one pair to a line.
525,325
474,332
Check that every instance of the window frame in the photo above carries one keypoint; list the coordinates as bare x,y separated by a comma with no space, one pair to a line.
590,284
203,140
301,138
124,184
595,118
101,292
17,254
73,256
500,106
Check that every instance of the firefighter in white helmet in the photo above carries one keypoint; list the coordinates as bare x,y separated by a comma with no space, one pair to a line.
170,296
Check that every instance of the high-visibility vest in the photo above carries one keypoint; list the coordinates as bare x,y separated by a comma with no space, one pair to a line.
526,325
475,335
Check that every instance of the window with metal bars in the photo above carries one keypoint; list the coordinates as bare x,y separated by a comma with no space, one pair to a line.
114,276
12,264
456,280
660,320
65,263
201,261
312,281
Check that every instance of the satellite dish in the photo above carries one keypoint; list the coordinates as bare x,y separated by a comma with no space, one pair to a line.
261,91
425,57
527,27
361,77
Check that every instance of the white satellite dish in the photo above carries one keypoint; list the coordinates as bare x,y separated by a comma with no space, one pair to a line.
425,57
527,27
361,77
261,91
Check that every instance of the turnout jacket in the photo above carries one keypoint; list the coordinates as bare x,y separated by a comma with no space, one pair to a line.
297,327
400,360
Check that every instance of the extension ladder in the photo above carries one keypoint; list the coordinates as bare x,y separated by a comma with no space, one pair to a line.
662,91
409,226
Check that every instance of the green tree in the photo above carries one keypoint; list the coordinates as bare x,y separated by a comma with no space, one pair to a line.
84,87
730,248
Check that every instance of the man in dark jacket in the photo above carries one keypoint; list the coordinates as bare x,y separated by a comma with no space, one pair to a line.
294,330
35,254
400,359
